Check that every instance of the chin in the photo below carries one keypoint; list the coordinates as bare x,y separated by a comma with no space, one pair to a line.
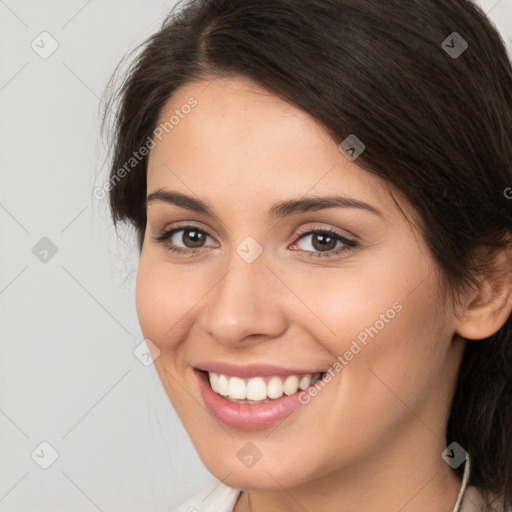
272,474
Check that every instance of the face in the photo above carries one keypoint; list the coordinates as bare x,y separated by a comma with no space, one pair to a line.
254,286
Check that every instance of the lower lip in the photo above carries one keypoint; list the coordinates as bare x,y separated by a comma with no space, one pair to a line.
245,416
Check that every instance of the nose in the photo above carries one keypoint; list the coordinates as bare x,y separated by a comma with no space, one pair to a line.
246,305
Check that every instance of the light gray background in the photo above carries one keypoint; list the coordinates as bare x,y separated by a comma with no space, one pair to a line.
68,375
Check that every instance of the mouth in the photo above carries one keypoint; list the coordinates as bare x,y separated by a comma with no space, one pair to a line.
258,390
253,399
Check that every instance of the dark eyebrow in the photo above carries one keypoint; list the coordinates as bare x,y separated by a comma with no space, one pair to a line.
311,204
182,200
279,209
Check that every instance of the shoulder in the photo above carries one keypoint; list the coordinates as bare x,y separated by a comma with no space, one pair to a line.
474,502
215,497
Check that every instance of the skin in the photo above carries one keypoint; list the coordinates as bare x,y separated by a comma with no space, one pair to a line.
372,439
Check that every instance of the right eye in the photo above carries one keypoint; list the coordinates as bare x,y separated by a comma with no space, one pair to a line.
191,237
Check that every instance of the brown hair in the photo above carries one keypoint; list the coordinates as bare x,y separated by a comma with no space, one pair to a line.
436,126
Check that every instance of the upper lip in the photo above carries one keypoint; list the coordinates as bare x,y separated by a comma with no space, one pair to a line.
251,370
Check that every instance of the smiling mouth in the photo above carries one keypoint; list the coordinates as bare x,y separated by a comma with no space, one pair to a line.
259,390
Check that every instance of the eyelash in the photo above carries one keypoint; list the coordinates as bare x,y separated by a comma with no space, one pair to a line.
348,244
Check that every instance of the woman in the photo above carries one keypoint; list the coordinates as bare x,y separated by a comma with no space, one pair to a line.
319,190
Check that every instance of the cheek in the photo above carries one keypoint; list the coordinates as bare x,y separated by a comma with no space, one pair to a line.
164,300
402,357
385,318
350,303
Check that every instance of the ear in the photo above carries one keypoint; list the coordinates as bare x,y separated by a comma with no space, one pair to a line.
489,307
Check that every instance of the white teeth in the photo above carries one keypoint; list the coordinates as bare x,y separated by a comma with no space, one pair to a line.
214,382
237,389
223,385
256,389
275,387
291,385
259,389
305,382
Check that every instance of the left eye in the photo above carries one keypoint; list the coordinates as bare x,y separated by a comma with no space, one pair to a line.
324,241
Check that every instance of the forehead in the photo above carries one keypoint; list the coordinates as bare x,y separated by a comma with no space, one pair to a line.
245,145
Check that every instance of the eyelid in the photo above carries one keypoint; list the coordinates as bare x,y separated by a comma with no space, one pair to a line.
167,232
184,224
308,229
